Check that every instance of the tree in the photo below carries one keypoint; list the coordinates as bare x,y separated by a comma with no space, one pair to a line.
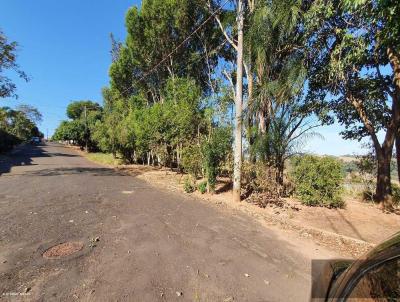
157,81
291,123
237,154
278,115
71,131
8,62
76,109
351,43
150,51
18,125
30,112
84,116
238,90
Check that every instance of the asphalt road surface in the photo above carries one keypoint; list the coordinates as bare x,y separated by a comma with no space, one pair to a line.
141,243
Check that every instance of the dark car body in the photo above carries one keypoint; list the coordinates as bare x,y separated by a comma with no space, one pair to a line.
35,140
373,277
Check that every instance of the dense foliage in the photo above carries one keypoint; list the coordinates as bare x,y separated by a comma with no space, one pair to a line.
175,93
79,129
18,125
318,181
355,67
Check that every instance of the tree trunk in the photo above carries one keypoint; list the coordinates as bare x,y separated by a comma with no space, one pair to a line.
280,170
262,127
383,152
395,63
398,154
250,134
383,184
237,168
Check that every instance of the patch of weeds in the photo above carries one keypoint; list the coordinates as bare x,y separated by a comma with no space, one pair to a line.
188,185
202,187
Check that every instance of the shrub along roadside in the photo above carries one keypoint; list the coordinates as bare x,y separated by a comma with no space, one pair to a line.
318,181
188,185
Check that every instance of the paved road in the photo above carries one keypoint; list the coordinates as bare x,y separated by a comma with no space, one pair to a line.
152,243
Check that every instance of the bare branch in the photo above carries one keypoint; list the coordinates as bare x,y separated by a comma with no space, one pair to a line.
304,131
228,38
357,104
229,78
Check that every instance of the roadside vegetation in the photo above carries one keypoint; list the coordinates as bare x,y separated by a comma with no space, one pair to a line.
318,181
104,158
235,88
17,124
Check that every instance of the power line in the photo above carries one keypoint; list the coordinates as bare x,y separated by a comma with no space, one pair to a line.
177,47
215,50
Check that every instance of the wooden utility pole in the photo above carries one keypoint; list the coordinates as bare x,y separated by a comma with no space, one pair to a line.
237,152
86,129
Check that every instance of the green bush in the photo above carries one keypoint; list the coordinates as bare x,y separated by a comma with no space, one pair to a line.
188,185
203,187
191,160
318,181
214,152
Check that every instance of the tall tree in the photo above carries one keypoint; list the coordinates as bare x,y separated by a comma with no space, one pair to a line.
237,152
234,34
278,116
153,33
84,116
351,46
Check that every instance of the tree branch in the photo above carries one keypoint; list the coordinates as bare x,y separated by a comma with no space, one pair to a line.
364,118
304,131
228,38
229,78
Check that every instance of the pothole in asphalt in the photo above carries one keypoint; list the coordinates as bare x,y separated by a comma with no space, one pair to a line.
63,250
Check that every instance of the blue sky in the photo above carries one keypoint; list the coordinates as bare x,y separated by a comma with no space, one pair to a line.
64,48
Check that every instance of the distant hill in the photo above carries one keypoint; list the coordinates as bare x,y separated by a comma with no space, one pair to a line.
347,158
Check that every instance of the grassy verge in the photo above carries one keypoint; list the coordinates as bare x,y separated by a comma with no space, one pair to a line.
103,158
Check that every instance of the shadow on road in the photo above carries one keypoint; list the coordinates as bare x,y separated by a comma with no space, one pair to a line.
24,155
62,154
77,170
21,156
